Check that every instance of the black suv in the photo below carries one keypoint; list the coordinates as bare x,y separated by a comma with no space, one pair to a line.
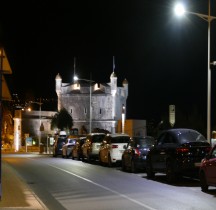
177,152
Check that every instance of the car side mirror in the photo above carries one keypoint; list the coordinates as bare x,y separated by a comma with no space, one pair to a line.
125,147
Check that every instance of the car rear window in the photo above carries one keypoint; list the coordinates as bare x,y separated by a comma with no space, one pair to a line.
191,137
73,141
98,138
120,139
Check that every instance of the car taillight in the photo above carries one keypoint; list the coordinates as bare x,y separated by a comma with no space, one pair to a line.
114,146
182,150
137,152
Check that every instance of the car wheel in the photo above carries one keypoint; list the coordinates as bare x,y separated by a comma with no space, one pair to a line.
170,173
123,165
133,167
109,161
203,183
88,157
78,156
72,156
68,155
149,170
99,160
54,153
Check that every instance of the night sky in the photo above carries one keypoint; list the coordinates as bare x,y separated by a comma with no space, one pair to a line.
163,58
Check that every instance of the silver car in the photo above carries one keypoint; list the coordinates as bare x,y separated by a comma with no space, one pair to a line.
90,149
67,148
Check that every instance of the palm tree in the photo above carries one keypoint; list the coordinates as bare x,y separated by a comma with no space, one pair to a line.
62,120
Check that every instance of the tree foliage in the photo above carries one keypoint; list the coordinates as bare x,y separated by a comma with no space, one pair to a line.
62,120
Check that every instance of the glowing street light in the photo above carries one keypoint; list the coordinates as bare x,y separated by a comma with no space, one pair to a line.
179,11
90,99
1,69
123,118
40,125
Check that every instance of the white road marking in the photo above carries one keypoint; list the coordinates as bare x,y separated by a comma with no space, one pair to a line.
106,188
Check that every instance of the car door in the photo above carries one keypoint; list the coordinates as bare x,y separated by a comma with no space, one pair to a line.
127,154
103,151
211,167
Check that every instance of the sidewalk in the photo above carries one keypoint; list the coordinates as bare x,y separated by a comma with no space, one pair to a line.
16,195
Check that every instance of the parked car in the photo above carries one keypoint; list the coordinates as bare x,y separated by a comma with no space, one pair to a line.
112,147
77,149
58,144
207,173
90,149
135,153
177,152
67,147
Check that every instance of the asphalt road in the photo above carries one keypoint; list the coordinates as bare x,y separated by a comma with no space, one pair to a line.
76,185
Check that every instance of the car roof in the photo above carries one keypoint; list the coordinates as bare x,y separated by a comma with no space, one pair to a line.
186,132
143,137
177,131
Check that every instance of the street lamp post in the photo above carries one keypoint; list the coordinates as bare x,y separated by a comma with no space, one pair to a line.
1,69
40,125
123,118
90,100
179,10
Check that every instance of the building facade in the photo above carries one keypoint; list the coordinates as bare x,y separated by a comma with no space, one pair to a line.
35,125
93,105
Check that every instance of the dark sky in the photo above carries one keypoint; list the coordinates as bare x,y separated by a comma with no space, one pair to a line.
163,58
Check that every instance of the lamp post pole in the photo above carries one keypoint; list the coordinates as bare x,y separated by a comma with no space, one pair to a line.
90,100
90,107
123,118
179,9
1,69
40,125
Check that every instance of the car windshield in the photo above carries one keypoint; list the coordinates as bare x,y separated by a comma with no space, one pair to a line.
144,142
61,140
191,136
